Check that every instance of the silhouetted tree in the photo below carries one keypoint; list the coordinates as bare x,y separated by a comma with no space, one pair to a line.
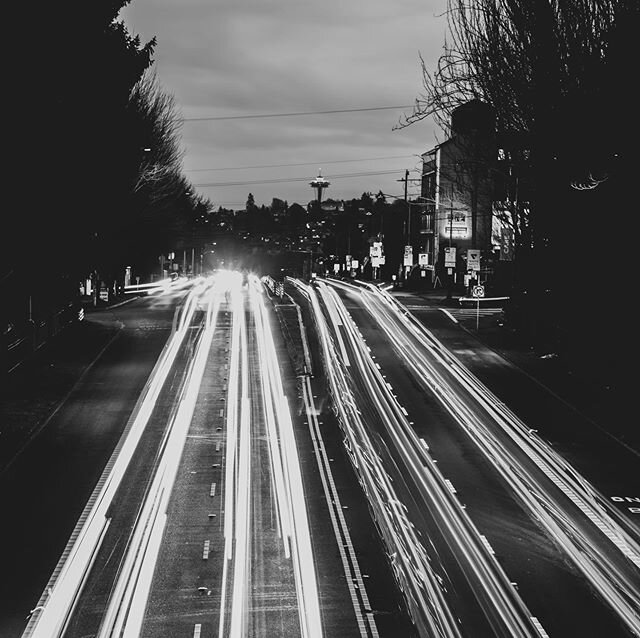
554,73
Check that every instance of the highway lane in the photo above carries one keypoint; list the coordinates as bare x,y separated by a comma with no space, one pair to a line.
46,487
257,573
402,481
200,521
94,560
575,423
373,587
184,593
586,528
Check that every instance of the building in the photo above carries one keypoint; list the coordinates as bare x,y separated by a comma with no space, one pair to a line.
466,215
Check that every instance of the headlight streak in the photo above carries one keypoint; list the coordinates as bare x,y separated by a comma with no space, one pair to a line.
161,287
353,575
233,440
242,520
563,511
269,396
289,492
416,578
501,604
128,599
66,584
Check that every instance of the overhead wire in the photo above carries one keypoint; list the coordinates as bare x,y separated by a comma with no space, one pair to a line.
292,114
344,161
295,179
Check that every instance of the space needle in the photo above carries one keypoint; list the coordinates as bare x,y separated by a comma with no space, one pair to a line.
318,184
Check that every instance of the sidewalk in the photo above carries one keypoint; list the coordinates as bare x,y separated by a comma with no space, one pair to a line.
36,386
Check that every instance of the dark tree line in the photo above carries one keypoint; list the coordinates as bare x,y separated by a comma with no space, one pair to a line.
94,151
557,76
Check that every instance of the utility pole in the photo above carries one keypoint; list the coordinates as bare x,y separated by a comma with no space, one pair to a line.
474,206
406,203
450,223
450,276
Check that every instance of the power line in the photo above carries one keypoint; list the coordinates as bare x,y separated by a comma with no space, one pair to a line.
295,179
235,168
294,114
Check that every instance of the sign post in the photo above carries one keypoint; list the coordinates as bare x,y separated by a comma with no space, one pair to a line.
408,261
375,252
473,259
478,293
450,265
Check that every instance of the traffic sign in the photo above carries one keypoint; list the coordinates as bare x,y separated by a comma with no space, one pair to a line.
450,256
473,259
477,291
408,255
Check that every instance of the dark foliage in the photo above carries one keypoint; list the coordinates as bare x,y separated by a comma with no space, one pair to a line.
557,74
94,149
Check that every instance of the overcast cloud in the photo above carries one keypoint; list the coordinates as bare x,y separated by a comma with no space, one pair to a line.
234,58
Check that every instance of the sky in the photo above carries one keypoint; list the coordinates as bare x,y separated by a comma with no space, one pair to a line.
231,59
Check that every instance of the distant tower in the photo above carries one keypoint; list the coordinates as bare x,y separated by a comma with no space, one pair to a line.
319,183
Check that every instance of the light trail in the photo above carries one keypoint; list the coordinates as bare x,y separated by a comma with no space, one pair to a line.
353,575
233,432
414,573
494,592
577,517
359,596
242,520
164,286
63,590
289,492
129,595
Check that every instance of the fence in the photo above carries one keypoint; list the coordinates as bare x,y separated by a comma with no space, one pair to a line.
25,340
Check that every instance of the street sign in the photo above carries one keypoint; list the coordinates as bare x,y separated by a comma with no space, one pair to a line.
375,250
506,243
473,259
408,255
450,257
477,292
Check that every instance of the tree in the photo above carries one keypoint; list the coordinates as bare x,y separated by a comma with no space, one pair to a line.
104,138
554,73
72,121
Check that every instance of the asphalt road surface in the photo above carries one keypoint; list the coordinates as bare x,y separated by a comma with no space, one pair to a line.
211,493
325,462
44,488
575,574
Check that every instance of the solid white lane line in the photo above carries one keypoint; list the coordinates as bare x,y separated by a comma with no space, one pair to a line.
67,583
349,559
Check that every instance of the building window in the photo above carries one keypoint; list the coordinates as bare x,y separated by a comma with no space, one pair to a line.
426,223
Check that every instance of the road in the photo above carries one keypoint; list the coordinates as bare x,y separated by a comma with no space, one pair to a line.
313,460
45,487
203,521
547,525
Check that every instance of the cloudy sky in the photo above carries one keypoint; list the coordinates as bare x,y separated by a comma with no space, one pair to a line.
231,59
